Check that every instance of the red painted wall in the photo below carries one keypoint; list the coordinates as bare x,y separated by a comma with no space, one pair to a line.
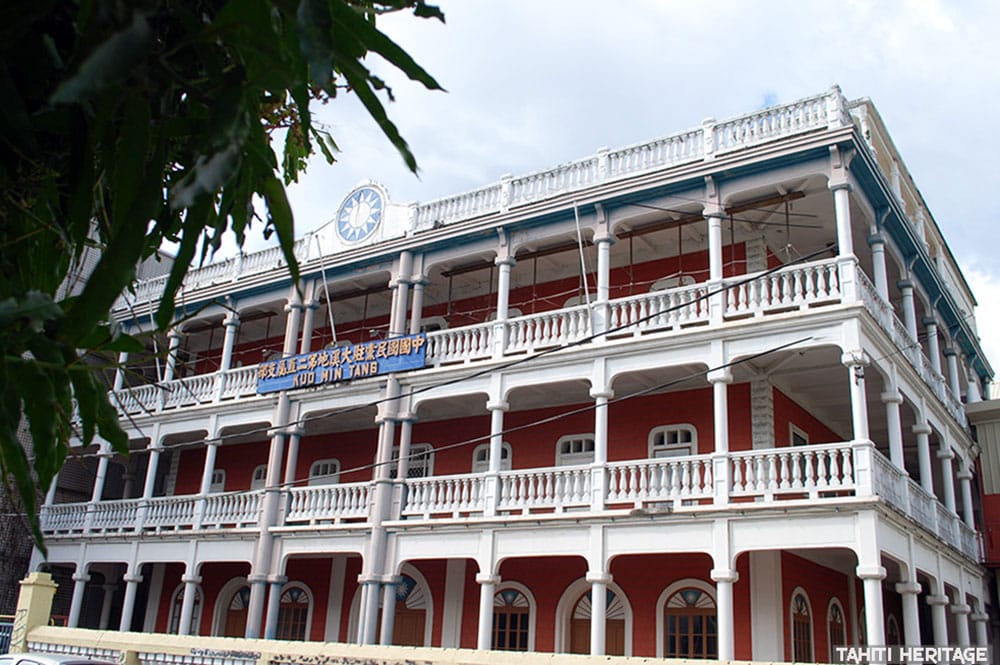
787,411
991,527
821,584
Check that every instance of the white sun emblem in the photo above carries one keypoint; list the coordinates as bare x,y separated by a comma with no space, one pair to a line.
360,214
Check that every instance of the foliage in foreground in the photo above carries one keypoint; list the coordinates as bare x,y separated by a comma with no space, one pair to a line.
129,124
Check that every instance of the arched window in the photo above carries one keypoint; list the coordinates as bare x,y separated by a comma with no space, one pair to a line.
481,457
259,477
176,603
236,613
421,461
673,441
614,633
218,481
575,449
324,472
892,634
802,630
836,627
690,624
294,612
511,620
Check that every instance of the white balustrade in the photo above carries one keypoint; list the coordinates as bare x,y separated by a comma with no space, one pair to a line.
921,505
947,525
63,518
170,512
555,488
658,310
460,344
240,382
451,495
668,151
188,391
232,509
327,503
969,539
797,472
674,479
890,482
795,287
460,206
771,123
547,329
115,515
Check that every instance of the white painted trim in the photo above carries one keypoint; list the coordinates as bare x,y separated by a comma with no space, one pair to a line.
221,608
324,479
483,467
794,431
454,597
567,603
834,601
153,600
196,615
767,627
561,459
690,448
335,598
661,602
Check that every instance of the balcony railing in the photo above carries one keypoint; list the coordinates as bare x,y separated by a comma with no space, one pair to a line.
814,475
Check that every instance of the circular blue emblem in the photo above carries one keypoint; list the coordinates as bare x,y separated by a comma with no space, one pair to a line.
360,214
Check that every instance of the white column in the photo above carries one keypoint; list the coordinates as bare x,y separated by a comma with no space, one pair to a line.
208,470
496,409
599,478
892,399
106,601
308,318
80,580
720,380
191,583
275,583
120,371
972,393
842,210
600,306
504,264
909,592
231,324
388,610
598,611
400,285
487,589
716,300
909,308
871,577
881,275
132,581
175,336
965,485
417,313
961,613
104,455
952,359
946,454
933,344
724,580
923,430
939,617
856,361
980,624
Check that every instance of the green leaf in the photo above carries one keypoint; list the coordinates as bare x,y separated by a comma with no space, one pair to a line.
280,216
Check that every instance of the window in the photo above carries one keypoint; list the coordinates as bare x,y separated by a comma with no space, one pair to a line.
892,634
575,449
177,603
324,472
673,440
796,436
835,629
421,461
690,629
218,481
481,457
511,619
433,323
259,478
293,613
802,637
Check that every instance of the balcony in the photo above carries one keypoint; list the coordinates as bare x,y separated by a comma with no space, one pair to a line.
801,476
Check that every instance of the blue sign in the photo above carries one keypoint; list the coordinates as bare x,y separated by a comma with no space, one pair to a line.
342,363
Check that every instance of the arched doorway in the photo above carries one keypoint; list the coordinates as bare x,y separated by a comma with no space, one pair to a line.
411,613
579,625
235,624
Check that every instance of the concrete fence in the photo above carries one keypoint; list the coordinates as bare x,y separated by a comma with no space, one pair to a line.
32,633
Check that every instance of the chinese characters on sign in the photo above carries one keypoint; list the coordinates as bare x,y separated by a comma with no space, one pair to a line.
342,363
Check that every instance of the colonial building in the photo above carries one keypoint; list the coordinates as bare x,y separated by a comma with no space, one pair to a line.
702,396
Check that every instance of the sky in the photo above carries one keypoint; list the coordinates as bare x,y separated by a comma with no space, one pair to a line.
531,84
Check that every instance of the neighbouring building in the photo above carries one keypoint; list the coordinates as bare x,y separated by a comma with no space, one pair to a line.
702,396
